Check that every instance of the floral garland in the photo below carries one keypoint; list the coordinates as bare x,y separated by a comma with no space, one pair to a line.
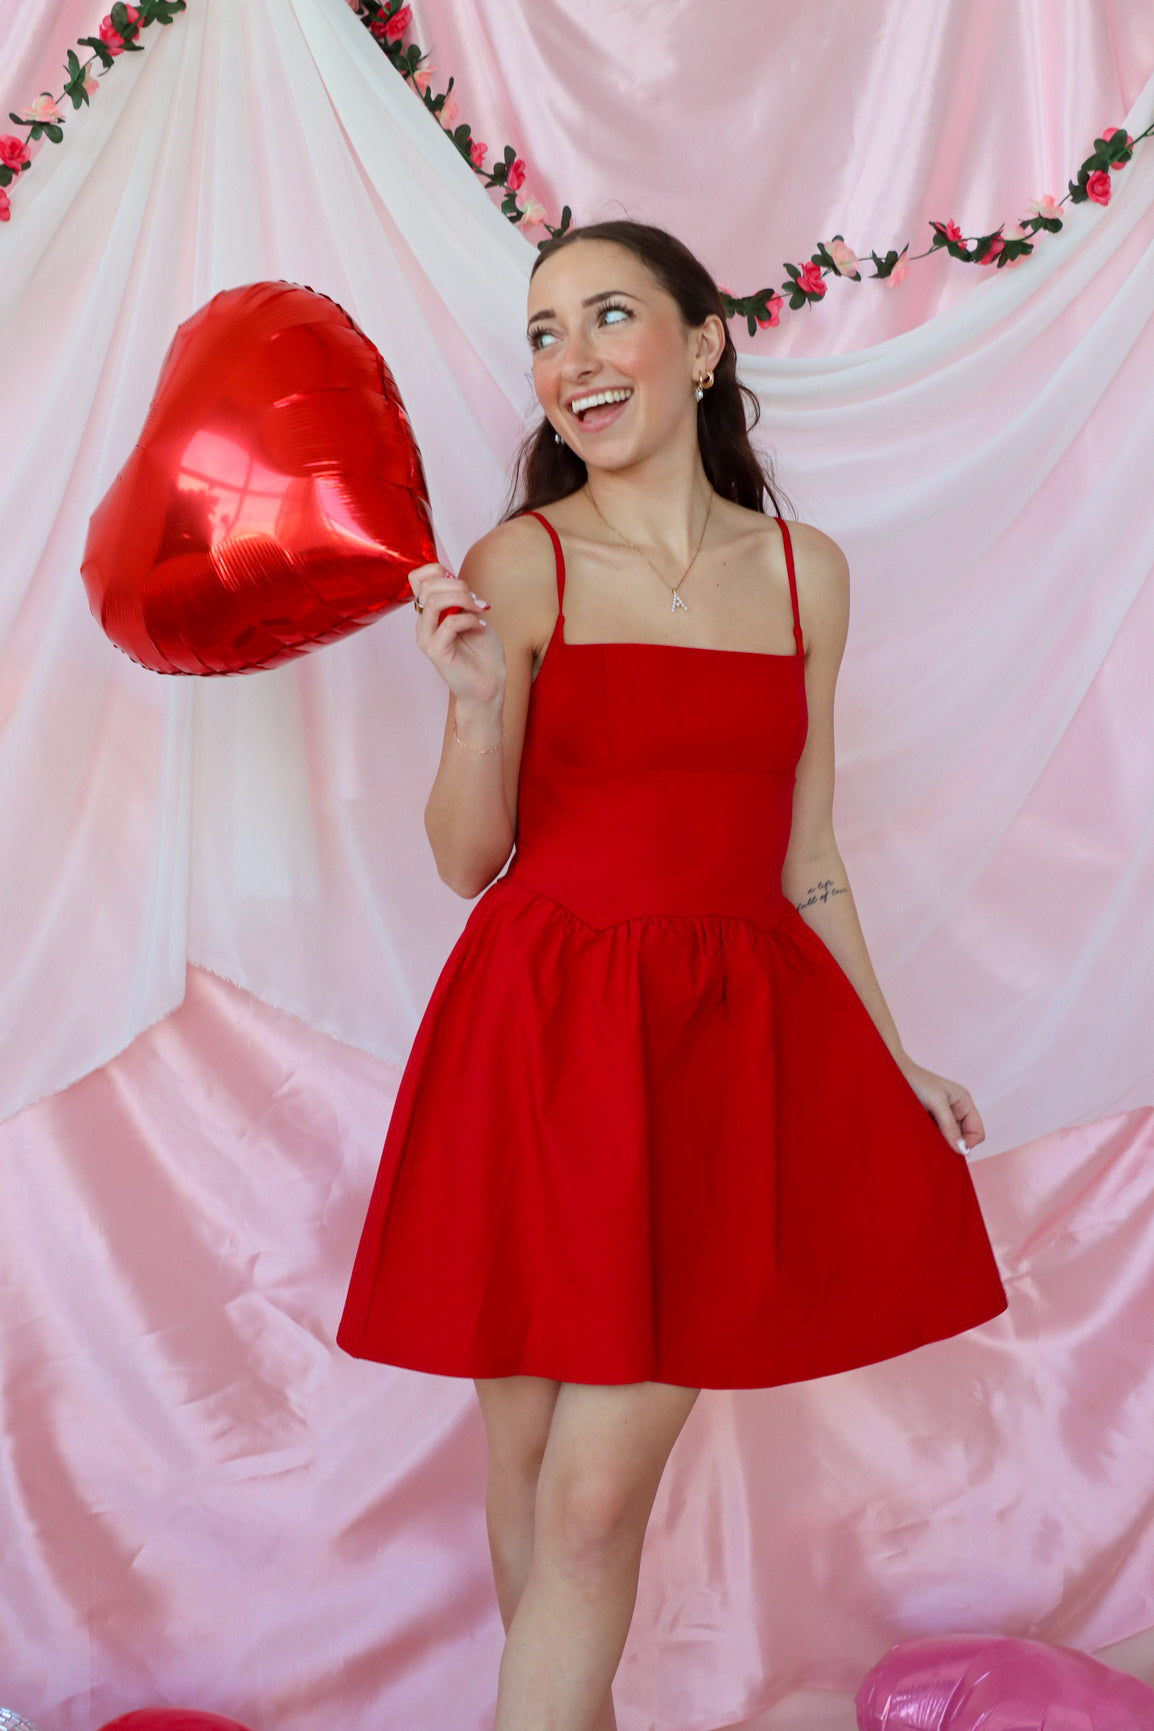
1005,246
119,34
388,21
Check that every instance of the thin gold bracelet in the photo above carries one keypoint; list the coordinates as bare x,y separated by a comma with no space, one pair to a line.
477,750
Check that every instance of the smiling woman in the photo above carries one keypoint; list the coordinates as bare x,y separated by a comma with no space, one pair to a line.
658,1130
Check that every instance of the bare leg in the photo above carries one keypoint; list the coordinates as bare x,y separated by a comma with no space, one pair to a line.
602,1463
518,1411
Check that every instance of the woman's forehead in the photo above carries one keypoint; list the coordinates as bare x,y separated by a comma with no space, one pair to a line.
586,267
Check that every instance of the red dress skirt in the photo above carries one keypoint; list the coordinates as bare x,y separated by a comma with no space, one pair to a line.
648,1129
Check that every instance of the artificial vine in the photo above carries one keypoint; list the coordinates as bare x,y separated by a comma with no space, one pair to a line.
119,34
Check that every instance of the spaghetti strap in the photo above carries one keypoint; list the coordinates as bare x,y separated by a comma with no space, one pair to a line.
788,545
560,558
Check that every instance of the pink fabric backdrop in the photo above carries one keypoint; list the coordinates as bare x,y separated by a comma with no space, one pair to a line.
207,1502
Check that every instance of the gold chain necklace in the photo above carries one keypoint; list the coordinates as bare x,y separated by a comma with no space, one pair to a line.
677,601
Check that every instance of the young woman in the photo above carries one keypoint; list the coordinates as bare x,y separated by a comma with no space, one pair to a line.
658,1130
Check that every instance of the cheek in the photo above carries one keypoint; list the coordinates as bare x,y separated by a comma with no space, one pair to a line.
652,358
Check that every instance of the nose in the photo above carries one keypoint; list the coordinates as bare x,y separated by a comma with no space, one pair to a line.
580,359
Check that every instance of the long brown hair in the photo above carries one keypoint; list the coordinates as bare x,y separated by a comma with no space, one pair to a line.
546,470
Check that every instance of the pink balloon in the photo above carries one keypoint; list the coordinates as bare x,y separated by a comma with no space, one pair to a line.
998,1683
172,1719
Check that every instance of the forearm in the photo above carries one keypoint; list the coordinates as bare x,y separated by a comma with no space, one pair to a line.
819,888
467,817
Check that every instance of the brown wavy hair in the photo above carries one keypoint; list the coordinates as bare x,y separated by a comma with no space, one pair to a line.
546,471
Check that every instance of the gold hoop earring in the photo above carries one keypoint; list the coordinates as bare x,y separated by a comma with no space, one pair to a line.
703,384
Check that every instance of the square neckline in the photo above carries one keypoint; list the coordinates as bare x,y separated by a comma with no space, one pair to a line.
557,635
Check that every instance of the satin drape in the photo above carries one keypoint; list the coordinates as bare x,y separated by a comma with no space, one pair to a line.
205,1502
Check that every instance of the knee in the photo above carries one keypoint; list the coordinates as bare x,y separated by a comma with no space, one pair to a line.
589,1522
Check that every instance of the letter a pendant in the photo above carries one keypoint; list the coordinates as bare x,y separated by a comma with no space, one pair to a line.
678,602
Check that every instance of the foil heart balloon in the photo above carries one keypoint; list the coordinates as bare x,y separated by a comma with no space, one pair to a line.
275,500
998,1683
171,1719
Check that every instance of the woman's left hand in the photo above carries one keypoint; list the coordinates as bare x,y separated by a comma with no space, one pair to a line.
949,1104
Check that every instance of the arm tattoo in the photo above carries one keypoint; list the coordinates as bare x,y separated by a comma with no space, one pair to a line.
821,892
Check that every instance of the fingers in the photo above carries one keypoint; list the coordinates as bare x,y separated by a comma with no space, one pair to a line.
957,1117
437,589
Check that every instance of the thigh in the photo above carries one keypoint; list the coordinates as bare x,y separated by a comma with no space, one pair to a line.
517,1413
609,1444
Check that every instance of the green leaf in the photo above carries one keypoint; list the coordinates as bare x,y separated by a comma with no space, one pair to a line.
73,67
1078,193
54,132
792,273
106,59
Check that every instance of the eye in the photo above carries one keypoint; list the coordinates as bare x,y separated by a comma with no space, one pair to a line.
540,338
612,307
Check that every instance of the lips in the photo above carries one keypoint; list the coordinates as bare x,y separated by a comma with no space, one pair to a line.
593,409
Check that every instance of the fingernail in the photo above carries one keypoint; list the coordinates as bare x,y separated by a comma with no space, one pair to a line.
478,600
961,1143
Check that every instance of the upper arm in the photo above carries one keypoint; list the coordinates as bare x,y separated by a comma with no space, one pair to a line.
513,569
823,600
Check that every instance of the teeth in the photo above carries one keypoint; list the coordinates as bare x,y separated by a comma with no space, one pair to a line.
579,404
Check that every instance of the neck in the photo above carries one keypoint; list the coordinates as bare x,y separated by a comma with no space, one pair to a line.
660,505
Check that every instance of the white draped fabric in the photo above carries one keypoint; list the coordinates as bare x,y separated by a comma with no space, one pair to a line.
980,443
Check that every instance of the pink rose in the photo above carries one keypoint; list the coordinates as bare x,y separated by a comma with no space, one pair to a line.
515,179
422,76
844,257
1108,134
773,312
399,23
996,247
899,273
477,153
1046,207
5,206
532,212
954,233
379,28
1098,186
110,35
449,111
13,152
88,82
810,279
43,110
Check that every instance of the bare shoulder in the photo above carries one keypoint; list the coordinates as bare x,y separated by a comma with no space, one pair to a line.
513,568
820,562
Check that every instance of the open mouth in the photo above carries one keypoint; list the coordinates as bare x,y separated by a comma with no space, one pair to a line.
598,408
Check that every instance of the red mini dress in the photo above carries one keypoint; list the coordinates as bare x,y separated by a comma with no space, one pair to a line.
648,1130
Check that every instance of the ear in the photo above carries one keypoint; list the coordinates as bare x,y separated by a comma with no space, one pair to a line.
710,344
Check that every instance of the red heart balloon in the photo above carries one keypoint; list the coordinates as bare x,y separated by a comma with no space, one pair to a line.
275,500
171,1719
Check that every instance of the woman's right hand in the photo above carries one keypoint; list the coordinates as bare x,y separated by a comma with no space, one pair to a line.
463,646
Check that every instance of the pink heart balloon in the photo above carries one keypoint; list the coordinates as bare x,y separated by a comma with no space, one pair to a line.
998,1683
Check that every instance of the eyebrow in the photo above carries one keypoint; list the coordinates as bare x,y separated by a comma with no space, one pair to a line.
589,301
